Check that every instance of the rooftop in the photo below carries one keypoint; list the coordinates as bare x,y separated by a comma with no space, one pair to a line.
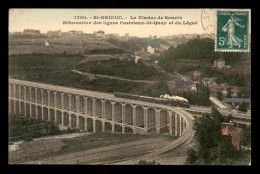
238,100
220,60
100,31
230,130
182,82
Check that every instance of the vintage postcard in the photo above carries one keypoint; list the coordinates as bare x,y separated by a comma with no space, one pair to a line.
129,86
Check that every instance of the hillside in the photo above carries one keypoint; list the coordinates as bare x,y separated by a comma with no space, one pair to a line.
68,44
201,50
121,68
135,44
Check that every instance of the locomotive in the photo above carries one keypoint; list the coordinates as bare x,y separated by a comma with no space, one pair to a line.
170,102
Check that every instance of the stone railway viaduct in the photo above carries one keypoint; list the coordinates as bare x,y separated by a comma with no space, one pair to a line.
93,111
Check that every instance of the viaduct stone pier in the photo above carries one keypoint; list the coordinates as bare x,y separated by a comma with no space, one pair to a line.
93,111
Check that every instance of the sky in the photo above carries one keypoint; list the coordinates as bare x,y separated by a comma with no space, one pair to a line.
52,19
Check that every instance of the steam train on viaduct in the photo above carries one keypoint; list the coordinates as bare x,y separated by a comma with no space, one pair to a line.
170,102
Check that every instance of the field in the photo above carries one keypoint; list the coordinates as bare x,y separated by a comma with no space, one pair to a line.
88,149
70,44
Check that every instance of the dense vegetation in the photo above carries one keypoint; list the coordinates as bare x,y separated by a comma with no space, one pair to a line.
212,149
199,49
105,51
158,89
25,128
200,97
243,107
120,68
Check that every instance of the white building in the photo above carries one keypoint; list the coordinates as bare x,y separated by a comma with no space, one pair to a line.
54,33
153,48
219,64
46,44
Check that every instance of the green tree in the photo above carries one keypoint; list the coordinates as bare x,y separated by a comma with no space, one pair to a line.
229,92
243,107
192,156
220,96
208,135
246,137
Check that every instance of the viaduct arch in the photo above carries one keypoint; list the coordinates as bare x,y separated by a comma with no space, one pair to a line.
93,111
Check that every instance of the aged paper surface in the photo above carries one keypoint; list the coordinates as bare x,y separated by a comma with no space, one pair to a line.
130,86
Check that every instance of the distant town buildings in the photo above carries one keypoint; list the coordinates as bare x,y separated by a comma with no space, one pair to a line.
75,32
57,33
222,88
231,134
157,49
112,35
31,32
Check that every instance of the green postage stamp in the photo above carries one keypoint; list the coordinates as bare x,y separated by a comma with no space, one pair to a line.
232,33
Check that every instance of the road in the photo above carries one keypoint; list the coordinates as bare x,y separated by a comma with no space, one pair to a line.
223,111
114,77
97,155
183,140
217,102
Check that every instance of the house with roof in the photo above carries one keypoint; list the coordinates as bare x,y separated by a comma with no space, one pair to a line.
126,56
99,34
220,64
196,74
231,134
215,88
153,48
180,85
91,77
234,91
208,81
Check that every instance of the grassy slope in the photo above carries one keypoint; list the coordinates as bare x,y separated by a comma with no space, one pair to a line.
92,141
53,69
124,68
